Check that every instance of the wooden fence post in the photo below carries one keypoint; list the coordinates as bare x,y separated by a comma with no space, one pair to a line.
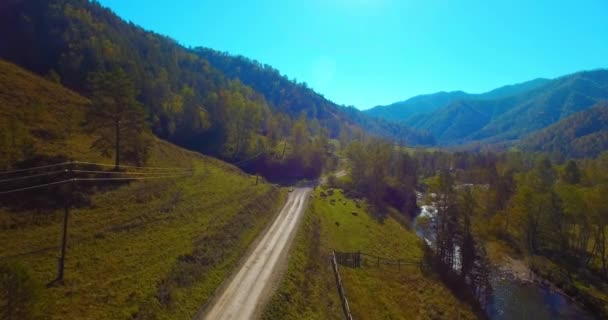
359,259
343,299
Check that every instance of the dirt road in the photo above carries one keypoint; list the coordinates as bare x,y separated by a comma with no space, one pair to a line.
248,290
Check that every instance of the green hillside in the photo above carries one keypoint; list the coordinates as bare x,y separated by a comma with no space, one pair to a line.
309,288
297,98
513,117
583,134
422,104
193,97
147,249
33,118
504,115
408,110
547,105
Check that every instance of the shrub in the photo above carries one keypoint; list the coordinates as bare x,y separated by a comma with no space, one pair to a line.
18,293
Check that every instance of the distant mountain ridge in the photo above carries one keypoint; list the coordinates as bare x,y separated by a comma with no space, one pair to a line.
400,111
504,115
185,92
427,103
513,89
197,97
544,106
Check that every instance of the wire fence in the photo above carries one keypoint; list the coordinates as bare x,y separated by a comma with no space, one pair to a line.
128,173
36,186
97,164
72,172
34,176
35,168
122,166
129,178
361,260
340,285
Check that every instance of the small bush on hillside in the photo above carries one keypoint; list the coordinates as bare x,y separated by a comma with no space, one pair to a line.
18,293
332,181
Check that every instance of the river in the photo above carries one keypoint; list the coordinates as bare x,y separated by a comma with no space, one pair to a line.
513,298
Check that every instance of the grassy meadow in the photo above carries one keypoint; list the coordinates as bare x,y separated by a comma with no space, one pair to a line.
308,290
147,249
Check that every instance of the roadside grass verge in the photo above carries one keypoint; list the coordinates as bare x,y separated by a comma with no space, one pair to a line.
131,240
146,249
308,290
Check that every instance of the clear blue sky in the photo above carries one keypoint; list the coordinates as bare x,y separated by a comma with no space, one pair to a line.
370,52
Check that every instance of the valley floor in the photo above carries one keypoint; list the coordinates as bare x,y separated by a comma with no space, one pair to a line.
308,290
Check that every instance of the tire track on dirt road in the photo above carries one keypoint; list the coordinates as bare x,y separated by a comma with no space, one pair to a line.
249,289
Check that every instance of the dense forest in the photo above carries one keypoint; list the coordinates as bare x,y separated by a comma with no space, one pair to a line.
553,215
422,105
214,103
583,134
501,117
540,196
199,98
515,116
297,98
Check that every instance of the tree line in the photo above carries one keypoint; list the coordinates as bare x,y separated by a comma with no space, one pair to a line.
553,214
173,91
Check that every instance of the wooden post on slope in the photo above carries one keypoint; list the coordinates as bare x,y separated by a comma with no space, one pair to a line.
64,240
343,300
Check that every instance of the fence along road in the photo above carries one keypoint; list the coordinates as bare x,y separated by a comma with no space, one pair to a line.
249,289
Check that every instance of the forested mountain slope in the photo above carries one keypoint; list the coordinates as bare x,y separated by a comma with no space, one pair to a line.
187,100
296,98
515,116
547,105
423,104
210,213
403,110
583,134
512,89
190,101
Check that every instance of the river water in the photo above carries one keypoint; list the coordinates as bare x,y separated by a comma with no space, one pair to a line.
519,300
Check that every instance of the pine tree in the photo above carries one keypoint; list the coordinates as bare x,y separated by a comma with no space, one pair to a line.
467,244
572,175
115,113
447,219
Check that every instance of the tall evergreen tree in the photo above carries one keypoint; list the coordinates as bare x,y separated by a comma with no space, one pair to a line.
572,175
467,244
115,113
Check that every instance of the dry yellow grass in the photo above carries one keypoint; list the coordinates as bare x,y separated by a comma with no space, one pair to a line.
131,241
